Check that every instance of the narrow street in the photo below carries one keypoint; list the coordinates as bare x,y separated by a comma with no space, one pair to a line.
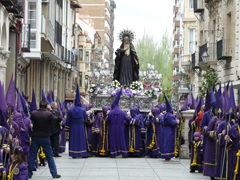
119,169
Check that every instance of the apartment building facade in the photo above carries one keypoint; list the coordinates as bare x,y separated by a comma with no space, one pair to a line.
101,12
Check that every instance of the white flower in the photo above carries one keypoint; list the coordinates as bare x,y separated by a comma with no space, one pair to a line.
91,90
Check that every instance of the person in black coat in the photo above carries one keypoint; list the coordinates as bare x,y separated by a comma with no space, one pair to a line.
55,129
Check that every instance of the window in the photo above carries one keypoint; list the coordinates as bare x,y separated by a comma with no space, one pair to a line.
191,41
80,79
107,12
87,57
58,33
107,37
33,40
106,49
107,25
190,3
32,14
80,53
92,56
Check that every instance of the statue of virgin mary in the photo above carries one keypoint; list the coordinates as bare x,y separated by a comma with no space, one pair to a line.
126,62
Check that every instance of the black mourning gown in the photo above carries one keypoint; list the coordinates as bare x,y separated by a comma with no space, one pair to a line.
126,71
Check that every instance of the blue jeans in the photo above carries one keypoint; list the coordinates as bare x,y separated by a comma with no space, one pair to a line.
47,149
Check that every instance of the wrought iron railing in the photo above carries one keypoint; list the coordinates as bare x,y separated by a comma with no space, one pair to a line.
25,38
224,50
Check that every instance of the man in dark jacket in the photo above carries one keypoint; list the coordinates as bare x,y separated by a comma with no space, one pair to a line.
41,120
55,128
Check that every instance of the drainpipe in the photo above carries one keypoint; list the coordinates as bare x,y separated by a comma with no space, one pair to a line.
40,92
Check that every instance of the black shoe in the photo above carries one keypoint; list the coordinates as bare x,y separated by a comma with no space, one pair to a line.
29,177
57,155
57,176
74,157
192,171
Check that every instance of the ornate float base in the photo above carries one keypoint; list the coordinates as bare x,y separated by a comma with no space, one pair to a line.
145,103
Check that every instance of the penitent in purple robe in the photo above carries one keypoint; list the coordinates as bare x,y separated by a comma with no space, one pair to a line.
75,127
221,151
210,149
232,154
168,136
102,130
196,158
20,173
63,138
116,119
154,134
133,134
204,125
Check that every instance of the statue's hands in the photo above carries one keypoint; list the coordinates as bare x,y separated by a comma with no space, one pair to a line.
125,49
136,61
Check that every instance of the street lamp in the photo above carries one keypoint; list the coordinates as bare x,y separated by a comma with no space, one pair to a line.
205,57
180,75
189,65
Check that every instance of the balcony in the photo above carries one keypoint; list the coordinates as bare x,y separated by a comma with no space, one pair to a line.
207,1
175,78
25,38
75,4
224,50
198,6
175,64
7,2
47,35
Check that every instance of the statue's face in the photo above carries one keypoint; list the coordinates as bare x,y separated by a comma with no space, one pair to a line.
126,41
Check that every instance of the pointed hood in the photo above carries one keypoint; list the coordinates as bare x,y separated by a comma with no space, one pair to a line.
117,99
44,96
3,121
10,97
168,105
200,104
78,99
231,102
213,99
228,85
226,97
207,102
193,103
3,104
197,100
34,102
133,112
185,105
49,97
24,103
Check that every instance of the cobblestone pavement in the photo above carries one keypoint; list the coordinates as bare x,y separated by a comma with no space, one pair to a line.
96,168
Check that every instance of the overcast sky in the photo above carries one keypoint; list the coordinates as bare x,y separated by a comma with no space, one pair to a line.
153,16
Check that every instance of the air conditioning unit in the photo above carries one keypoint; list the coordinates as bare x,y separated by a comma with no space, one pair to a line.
45,1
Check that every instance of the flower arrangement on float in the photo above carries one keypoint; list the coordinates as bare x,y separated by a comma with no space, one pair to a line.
135,89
